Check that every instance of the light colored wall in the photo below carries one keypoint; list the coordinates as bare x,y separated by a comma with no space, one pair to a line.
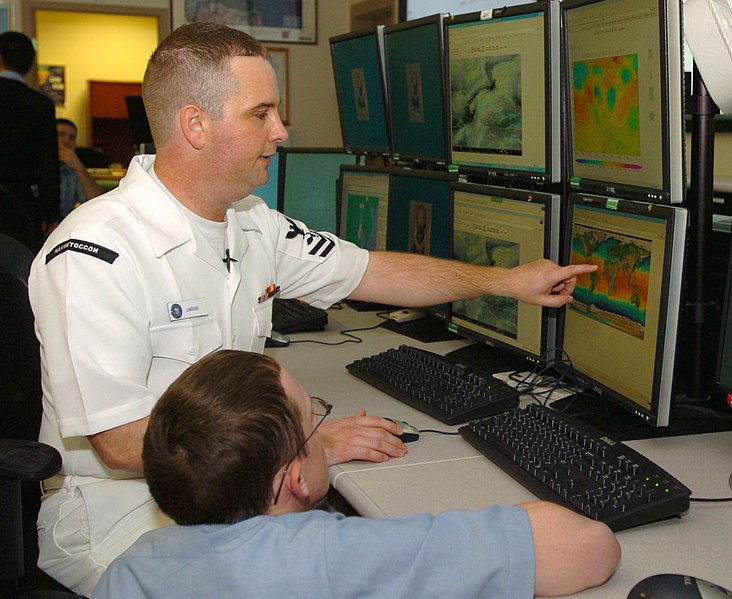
121,47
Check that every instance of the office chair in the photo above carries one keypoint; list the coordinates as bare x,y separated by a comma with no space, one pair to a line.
14,218
23,461
92,157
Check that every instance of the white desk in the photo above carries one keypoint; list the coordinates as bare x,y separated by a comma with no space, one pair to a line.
444,472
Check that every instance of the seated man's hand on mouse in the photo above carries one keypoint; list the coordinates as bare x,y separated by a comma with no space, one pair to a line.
677,586
361,437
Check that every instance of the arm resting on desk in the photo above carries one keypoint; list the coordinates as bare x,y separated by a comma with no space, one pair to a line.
572,552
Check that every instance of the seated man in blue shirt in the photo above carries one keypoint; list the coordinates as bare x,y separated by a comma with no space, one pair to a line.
77,185
231,453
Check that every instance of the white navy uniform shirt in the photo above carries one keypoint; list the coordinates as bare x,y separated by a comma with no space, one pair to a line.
127,293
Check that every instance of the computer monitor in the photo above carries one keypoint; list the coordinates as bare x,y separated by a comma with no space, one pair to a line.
363,198
416,89
307,184
137,117
419,217
496,226
416,9
358,68
623,74
722,384
620,331
504,104
268,191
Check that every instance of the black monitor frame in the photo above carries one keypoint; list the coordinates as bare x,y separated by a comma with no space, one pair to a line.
496,173
721,390
491,353
669,307
353,145
672,141
416,157
139,124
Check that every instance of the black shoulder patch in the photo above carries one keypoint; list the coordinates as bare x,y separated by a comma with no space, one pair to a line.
83,247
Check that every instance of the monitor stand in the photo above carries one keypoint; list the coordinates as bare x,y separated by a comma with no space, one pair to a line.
428,329
687,418
487,359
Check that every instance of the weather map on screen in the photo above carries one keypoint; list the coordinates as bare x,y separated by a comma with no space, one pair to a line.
486,104
615,294
606,105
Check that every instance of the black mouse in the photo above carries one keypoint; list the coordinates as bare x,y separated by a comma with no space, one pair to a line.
411,433
677,586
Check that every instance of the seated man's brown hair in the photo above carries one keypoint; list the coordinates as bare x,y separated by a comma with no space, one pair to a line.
200,465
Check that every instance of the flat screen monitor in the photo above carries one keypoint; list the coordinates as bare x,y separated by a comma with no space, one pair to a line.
722,384
137,117
504,106
363,198
307,185
624,72
416,89
620,331
268,191
416,9
495,226
419,217
358,69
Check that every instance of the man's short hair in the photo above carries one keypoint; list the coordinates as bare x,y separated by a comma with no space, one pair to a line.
17,52
68,122
191,66
217,437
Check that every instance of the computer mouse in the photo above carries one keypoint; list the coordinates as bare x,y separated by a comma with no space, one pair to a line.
277,340
677,586
411,433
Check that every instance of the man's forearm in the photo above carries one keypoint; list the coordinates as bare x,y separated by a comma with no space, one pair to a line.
120,448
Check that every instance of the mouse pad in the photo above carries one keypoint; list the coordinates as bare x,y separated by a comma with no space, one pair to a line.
426,330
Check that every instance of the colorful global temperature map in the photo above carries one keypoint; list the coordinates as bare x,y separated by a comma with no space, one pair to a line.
617,292
606,108
498,313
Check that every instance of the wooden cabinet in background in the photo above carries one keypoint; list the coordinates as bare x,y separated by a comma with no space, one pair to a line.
110,128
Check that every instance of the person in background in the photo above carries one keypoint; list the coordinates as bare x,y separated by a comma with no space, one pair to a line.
28,147
77,185
180,261
232,454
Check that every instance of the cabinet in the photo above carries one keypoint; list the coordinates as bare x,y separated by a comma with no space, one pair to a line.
110,128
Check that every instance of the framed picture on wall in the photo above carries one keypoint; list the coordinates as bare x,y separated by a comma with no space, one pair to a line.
5,24
287,21
52,82
280,58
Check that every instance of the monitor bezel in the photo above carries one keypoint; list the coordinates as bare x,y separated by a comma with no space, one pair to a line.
673,189
659,414
443,176
417,158
552,102
356,168
378,34
721,393
552,212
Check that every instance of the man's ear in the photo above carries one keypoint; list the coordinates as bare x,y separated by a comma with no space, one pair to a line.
296,483
193,123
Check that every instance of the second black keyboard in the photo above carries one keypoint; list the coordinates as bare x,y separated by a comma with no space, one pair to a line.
563,460
292,316
446,389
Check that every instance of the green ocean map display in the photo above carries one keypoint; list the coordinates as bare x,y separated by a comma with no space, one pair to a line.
617,292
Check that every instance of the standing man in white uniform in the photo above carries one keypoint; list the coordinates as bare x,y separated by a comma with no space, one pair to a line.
138,284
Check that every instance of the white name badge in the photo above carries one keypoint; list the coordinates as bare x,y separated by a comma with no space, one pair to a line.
187,309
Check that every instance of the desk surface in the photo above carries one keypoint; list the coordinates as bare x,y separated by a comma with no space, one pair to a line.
444,472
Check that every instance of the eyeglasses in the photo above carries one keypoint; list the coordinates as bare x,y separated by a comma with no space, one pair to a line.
321,408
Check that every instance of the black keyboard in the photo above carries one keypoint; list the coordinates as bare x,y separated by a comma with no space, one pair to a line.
445,389
563,460
292,316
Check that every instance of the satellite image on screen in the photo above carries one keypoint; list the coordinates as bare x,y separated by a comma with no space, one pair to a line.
497,313
606,109
362,220
486,104
617,292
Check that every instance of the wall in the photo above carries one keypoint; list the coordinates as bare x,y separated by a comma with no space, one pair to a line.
122,45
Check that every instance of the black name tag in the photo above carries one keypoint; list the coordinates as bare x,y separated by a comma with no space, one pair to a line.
83,247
